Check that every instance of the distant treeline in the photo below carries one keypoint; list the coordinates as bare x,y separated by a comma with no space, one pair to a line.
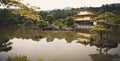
63,13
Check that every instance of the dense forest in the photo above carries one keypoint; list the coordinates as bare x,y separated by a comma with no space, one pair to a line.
53,19
60,15
63,13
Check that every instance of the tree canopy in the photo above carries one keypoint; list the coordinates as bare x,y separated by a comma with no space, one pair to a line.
22,12
106,21
107,18
15,3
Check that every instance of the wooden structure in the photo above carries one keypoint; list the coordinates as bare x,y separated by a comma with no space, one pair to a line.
85,18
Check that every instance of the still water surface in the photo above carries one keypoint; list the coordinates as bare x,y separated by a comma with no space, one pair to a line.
55,45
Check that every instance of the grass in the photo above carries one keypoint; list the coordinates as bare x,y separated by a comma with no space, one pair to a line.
40,59
22,58
18,58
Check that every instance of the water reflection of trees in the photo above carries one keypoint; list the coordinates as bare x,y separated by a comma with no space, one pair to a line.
49,35
5,45
102,57
103,54
68,36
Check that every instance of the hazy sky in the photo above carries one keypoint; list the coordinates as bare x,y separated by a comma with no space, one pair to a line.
53,4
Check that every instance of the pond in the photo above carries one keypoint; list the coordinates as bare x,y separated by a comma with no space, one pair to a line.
53,46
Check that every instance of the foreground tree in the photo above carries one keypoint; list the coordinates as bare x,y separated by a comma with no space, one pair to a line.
108,20
8,3
100,30
24,12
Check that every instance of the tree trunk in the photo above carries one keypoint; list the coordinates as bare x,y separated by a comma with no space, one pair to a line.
101,36
107,36
100,51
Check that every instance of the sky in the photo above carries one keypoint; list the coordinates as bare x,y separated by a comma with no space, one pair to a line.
60,4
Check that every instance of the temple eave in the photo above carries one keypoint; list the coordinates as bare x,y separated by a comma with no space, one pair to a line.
84,20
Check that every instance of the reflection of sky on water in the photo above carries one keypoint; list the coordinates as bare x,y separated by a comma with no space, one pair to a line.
58,49
115,50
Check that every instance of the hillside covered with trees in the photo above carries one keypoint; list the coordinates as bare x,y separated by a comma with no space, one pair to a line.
55,19
60,15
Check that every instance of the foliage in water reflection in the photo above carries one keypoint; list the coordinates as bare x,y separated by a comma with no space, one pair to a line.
5,45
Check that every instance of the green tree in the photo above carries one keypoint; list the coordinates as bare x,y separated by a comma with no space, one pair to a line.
60,23
50,18
16,3
100,30
28,13
28,22
69,21
42,24
6,18
108,20
24,12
